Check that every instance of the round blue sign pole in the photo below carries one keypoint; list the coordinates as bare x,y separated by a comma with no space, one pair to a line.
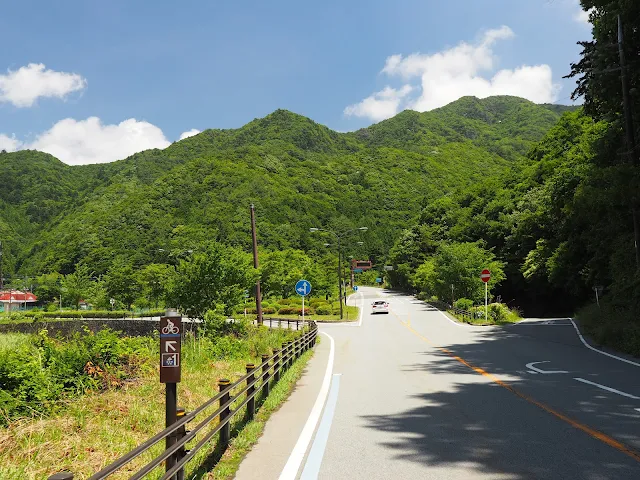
303,288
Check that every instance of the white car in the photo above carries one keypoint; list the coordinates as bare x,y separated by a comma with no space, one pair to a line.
379,306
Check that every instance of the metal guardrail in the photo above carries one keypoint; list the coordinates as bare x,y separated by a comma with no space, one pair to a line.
257,381
462,313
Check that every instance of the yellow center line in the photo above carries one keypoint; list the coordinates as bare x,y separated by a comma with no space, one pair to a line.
586,429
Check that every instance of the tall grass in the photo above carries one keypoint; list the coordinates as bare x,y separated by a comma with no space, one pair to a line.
85,433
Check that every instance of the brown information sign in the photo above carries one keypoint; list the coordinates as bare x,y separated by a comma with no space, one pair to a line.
170,343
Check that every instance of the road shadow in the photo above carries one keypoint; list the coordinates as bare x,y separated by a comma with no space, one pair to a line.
466,419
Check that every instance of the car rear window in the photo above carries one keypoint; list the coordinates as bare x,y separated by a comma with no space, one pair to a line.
379,303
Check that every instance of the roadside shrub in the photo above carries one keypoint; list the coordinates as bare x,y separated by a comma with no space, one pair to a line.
611,326
498,312
307,311
268,310
463,304
40,371
229,347
324,309
287,310
285,301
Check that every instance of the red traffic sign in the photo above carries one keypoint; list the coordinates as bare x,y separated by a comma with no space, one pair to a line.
485,275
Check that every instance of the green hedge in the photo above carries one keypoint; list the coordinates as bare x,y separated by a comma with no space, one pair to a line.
89,314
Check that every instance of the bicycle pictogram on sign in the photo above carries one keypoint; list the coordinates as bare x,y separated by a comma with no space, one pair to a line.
170,328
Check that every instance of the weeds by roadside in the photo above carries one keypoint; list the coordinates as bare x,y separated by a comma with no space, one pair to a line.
611,326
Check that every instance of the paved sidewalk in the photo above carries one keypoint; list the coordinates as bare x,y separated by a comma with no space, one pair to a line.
269,456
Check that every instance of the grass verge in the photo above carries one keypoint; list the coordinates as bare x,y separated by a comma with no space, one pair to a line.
86,433
612,327
249,435
508,319
351,314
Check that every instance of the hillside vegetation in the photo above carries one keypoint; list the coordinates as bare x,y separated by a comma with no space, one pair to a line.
298,174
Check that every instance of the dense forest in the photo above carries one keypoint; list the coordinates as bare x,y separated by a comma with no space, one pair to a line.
147,210
545,194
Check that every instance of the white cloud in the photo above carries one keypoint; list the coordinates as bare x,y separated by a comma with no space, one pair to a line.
455,72
78,142
10,144
190,133
579,14
380,105
24,86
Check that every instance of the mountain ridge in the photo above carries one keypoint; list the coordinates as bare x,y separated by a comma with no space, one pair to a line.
299,173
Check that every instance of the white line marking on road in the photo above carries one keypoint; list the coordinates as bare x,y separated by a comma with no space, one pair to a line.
608,389
314,460
600,351
292,466
533,373
361,309
457,324
637,409
531,366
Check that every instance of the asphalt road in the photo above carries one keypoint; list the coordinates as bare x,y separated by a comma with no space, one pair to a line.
415,395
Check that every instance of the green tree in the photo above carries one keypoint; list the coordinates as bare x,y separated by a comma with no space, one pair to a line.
76,285
217,277
48,287
121,283
155,279
460,264
424,279
280,270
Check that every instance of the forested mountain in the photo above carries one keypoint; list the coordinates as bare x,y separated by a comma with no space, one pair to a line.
298,174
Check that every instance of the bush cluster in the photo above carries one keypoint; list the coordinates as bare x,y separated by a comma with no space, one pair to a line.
463,304
39,315
292,306
37,370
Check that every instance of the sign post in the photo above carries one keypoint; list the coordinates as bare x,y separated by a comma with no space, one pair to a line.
598,290
170,348
303,288
485,276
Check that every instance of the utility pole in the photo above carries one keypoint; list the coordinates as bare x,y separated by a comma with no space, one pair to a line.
1,275
255,263
340,275
630,134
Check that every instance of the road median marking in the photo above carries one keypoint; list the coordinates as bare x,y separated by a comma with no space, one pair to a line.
604,438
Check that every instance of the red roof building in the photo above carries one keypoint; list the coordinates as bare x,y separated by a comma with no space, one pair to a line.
17,300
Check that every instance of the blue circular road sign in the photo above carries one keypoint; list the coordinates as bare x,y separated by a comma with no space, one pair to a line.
303,288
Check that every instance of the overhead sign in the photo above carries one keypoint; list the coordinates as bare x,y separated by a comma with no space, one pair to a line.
170,348
378,280
357,270
485,276
388,268
303,288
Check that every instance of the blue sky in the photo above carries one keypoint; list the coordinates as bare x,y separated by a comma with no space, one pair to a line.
121,76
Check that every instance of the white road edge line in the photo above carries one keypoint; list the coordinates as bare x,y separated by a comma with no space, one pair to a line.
314,460
292,466
608,389
457,324
600,351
